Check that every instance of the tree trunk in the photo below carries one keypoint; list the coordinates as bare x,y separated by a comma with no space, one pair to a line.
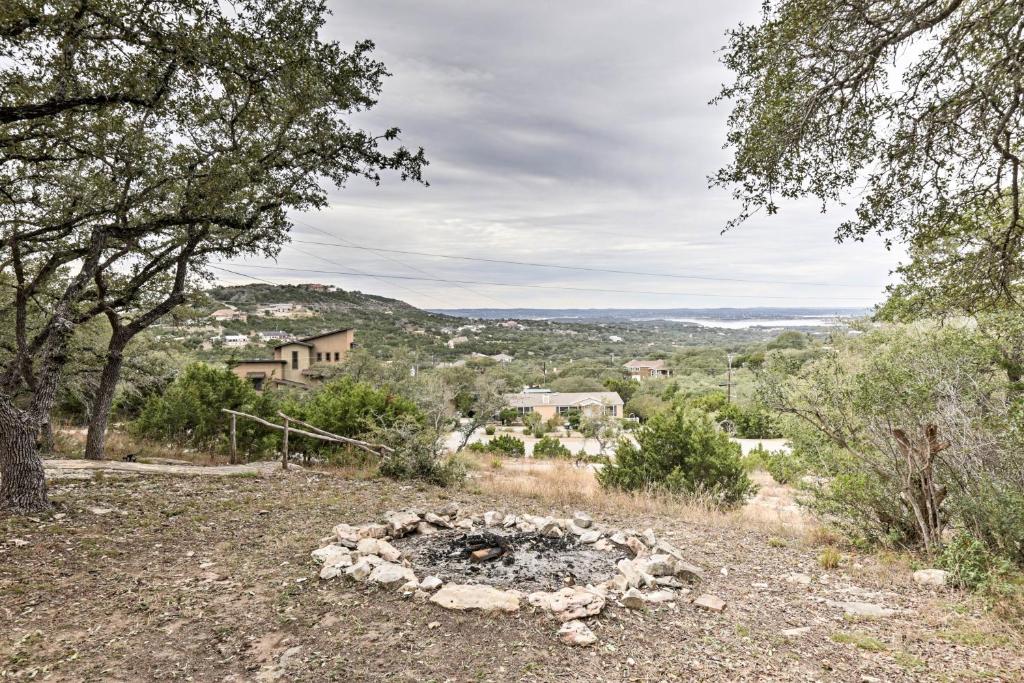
22,481
96,438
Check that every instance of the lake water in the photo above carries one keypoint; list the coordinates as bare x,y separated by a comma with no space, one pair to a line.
746,323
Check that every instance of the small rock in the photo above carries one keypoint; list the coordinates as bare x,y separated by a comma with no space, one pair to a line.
931,577
367,546
100,511
342,557
388,552
798,578
573,603
710,602
430,583
509,521
690,573
464,523
348,535
426,529
492,518
487,598
449,509
660,596
660,565
863,609
392,575
796,632
434,624
554,532
18,542
401,523
582,520
634,599
636,546
668,581
648,537
409,587
330,572
603,545
360,570
437,520
576,633
589,537
372,531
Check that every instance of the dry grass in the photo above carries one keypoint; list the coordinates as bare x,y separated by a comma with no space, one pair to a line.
561,484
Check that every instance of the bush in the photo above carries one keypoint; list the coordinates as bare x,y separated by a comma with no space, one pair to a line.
784,467
489,430
418,453
189,411
507,445
680,451
507,416
550,447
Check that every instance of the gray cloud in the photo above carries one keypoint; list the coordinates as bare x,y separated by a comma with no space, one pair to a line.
566,133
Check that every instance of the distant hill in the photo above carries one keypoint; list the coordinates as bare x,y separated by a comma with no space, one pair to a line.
250,296
637,314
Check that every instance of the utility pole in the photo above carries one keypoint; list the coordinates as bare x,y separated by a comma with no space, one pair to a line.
728,383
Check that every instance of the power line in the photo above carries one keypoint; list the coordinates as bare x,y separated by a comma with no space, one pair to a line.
556,287
591,269
353,245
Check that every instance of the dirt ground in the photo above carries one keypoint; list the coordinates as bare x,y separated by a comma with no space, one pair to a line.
165,577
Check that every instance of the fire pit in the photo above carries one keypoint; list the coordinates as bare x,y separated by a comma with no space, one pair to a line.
509,558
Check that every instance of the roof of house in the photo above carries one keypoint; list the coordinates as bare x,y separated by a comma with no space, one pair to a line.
582,398
305,340
653,364
259,360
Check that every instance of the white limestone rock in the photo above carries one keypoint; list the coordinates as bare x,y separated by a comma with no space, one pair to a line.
634,599
582,520
392,575
931,577
401,523
576,633
466,597
430,584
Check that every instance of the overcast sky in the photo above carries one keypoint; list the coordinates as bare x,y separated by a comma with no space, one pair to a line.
568,134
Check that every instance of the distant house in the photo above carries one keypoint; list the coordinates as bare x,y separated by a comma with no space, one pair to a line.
548,403
642,369
502,358
287,310
455,341
275,335
293,359
235,341
224,314
615,338
317,287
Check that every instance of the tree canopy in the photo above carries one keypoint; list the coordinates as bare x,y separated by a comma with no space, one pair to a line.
913,107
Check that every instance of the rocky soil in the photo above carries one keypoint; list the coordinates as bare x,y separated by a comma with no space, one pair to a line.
191,578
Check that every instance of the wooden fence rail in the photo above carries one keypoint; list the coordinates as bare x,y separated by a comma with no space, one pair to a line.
314,433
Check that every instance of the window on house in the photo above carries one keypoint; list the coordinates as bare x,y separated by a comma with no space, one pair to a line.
295,360
524,410
337,356
257,383
610,410
563,410
319,356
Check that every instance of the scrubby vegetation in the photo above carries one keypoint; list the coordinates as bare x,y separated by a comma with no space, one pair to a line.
680,451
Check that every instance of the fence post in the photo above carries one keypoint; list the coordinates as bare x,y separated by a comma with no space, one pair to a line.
234,441
284,447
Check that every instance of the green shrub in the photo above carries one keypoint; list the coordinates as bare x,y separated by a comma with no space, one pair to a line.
507,416
968,561
680,451
189,411
784,467
489,430
418,453
507,445
550,447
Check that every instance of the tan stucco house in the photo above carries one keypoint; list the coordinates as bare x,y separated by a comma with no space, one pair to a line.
642,369
548,403
292,359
